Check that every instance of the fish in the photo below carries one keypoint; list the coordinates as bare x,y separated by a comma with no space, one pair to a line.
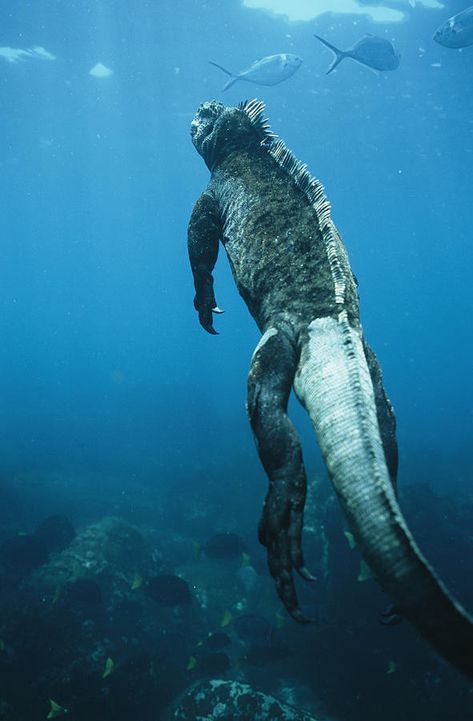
350,538
56,709
192,663
109,666
137,581
196,548
218,640
169,590
364,573
457,31
281,619
245,559
173,647
254,630
226,620
248,578
55,532
225,546
263,655
27,551
270,70
213,664
375,52
390,616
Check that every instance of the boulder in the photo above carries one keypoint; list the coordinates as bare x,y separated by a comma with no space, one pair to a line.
217,700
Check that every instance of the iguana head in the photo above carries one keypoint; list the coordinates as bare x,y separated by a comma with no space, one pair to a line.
218,130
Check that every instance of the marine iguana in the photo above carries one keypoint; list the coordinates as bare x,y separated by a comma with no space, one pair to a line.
292,270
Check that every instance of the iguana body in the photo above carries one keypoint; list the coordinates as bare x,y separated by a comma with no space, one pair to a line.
292,270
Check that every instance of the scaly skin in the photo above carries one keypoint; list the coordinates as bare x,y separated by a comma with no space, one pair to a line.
292,270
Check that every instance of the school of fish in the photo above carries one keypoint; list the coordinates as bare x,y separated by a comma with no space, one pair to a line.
373,51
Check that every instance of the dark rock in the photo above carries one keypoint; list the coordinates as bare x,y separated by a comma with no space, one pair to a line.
83,592
233,701
23,553
55,532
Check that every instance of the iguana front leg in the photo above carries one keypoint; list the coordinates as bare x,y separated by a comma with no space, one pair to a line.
203,241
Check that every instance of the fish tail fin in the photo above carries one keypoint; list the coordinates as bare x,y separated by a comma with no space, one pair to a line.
233,77
230,83
334,64
339,54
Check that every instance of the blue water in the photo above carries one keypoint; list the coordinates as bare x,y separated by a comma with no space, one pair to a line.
104,369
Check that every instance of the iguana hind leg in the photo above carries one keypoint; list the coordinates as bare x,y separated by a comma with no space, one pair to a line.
385,414
280,529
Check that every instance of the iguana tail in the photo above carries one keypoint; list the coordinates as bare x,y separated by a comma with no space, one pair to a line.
333,382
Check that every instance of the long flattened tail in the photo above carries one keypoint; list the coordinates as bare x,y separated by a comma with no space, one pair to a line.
233,77
334,384
339,54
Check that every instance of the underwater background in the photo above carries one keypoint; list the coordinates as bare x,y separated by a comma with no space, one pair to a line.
122,418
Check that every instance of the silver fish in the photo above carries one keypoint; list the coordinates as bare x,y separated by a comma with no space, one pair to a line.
270,70
457,31
377,53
